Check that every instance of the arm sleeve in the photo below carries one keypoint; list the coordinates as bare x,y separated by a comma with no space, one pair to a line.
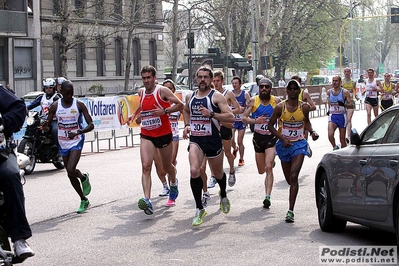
35,103
13,111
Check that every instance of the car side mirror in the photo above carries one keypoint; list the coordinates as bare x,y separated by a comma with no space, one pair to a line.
355,138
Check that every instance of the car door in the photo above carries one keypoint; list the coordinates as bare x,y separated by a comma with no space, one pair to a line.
349,173
383,168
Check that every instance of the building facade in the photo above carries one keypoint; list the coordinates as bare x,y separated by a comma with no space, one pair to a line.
85,41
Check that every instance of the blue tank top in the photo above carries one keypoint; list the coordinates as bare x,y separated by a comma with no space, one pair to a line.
335,108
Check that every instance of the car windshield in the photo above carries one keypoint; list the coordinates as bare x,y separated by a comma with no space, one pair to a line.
377,131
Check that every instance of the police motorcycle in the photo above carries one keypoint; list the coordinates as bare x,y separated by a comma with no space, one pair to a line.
37,143
7,257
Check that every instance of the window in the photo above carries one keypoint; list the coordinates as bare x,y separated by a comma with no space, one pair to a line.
23,67
153,14
99,9
118,56
57,7
153,52
2,62
100,56
378,129
80,56
80,7
56,55
118,7
136,56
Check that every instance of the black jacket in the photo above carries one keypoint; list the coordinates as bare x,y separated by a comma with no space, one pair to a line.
13,112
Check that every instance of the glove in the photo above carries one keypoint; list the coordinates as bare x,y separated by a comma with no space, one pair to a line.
328,112
340,103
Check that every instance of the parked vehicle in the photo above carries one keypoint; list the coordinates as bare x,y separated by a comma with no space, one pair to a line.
38,144
359,183
319,80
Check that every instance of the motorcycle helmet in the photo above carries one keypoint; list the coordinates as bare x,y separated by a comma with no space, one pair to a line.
258,78
60,80
48,82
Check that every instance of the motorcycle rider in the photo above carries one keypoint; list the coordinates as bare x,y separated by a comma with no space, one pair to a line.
13,112
45,100
59,81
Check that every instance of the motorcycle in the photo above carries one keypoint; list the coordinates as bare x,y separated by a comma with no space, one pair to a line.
38,144
7,257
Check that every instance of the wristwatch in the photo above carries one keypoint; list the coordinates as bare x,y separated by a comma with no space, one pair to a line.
211,114
166,111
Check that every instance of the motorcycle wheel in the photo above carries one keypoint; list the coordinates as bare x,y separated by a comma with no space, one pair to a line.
58,163
26,147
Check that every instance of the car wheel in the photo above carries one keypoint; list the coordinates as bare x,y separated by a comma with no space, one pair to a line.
327,221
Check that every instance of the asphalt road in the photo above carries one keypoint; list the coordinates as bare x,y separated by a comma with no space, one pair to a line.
115,232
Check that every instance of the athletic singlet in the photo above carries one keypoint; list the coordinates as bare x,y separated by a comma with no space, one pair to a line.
174,122
45,104
300,97
335,108
291,125
349,86
154,126
242,102
259,110
69,120
387,94
202,126
370,93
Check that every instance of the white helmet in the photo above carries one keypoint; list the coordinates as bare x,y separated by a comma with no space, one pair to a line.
60,80
48,82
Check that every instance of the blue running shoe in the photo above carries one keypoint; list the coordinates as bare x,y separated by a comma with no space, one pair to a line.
146,206
173,192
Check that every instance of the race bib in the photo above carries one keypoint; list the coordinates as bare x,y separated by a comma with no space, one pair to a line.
150,122
238,117
201,127
262,128
292,131
335,108
387,96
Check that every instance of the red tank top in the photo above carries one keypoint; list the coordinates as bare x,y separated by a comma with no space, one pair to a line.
154,126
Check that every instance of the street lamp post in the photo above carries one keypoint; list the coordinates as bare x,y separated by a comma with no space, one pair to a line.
358,54
220,37
380,42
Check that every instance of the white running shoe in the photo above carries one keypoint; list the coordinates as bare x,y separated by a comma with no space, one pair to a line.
22,249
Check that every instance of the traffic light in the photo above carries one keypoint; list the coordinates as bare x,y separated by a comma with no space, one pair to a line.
266,62
190,40
345,61
395,11
276,60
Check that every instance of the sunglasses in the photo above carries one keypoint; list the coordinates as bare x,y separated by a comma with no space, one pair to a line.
264,86
293,88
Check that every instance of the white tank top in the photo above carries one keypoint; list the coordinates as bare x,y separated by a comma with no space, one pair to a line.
69,120
370,93
45,104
